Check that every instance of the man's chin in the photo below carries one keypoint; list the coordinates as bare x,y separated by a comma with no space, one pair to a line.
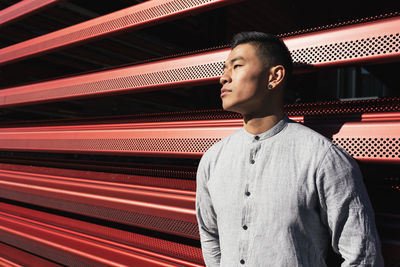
227,107
230,108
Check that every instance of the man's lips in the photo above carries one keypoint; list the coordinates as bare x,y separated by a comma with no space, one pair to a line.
225,91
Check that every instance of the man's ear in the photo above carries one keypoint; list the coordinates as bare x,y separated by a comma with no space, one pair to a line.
276,76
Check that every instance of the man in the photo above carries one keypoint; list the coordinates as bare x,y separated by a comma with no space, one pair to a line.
274,192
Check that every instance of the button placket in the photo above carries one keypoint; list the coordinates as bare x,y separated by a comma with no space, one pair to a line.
255,147
246,190
243,236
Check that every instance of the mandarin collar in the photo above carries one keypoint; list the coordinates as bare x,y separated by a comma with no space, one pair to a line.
267,134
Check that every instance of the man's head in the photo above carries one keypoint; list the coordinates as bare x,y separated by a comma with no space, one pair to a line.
256,73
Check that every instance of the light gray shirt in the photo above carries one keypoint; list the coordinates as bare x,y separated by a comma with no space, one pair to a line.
280,198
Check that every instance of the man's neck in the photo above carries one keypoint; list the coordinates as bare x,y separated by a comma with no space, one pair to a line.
259,124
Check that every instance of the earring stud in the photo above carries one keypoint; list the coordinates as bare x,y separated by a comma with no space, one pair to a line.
269,86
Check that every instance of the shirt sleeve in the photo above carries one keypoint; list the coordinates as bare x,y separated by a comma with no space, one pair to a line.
347,210
206,218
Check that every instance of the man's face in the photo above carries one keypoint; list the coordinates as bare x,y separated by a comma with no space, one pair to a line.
246,78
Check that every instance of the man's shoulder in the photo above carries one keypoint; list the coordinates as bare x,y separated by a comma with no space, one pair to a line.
314,141
306,135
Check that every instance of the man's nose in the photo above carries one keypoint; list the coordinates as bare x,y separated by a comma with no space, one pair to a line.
224,79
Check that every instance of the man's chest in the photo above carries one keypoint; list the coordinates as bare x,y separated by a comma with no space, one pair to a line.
262,180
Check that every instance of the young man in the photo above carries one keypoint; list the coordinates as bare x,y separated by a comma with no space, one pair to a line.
276,193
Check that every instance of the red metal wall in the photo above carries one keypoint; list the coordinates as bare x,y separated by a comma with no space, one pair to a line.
88,212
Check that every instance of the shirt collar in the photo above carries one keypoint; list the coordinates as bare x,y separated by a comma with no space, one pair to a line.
267,134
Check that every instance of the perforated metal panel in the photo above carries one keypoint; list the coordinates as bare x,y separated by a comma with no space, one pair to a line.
184,139
143,145
129,238
349,44
171,141
391,104
11,256
371,41
366,140
385,148
311,110
341,24
161,224
363,43
357,48
165,210
43,250
148,144
135,17
150,175
197,69
23,8
66,247
152,79
57,238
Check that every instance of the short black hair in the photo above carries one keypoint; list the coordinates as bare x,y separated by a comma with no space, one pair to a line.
271,48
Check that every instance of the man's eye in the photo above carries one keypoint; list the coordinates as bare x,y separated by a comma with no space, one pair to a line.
236,66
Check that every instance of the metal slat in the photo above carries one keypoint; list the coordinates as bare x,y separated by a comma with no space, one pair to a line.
369,42
199,69
11,256
324,109
138,16
23,9
67,247
148,207
186,182
371,137
146,245
179,139
377,41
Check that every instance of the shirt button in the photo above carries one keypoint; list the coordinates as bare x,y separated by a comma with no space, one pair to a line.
252,161
242,261
247,193
257,137
245,227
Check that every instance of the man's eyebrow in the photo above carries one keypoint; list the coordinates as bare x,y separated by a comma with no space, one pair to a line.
233,60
